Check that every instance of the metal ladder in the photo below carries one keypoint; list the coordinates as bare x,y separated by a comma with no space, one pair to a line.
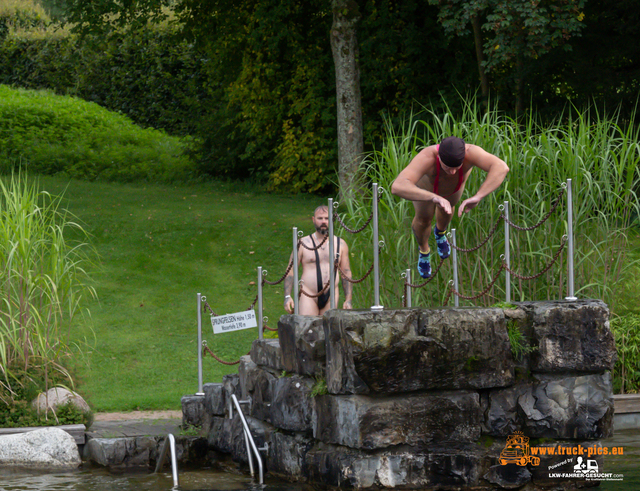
251,445
169,443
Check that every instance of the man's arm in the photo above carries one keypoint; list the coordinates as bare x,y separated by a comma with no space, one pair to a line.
345,266
406,184
496,170
288,285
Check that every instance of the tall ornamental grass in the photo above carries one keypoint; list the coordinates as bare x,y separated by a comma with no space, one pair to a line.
600,154
43,280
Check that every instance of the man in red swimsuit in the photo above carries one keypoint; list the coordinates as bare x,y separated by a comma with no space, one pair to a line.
434,180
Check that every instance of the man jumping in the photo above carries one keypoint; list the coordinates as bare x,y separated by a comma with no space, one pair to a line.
434,181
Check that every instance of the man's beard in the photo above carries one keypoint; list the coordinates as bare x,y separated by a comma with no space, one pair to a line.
322,230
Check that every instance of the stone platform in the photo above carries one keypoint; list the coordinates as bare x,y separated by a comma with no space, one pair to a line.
423,399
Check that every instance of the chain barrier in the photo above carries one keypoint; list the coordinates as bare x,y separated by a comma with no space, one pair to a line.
366,224
206,306
483,292
491,232
309,248
544,219
537,275
206,349
264,272
311,295
269,328
433,275
344,275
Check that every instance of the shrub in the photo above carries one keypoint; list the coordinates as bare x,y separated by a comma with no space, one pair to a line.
626,374
62,134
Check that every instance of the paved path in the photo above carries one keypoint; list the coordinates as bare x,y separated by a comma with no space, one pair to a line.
135,423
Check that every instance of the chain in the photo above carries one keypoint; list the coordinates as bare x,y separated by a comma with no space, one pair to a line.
344,275
269,328
433,275
253,304
483,292
493,231
555,258
207,306
311,295
544,219
309,248
208,350
366,224
283,276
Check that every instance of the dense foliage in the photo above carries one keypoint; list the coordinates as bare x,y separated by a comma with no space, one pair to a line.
52,134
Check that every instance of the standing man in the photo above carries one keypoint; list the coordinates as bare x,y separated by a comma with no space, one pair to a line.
316,266
434,180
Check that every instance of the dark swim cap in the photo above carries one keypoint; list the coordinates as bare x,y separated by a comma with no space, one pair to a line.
451,151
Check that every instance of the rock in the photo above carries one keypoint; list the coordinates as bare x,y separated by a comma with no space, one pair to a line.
42,448
287,455
553,407
292,407
411,419
59,396
267,353
227,436
510,476
571,336
258,389
193,410
302,343
408,350
215,401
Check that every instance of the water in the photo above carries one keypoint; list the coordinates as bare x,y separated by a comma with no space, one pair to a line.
90,478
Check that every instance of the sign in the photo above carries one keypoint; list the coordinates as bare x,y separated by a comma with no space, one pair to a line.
234,322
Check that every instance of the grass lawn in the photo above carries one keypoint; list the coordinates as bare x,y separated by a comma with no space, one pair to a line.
159,245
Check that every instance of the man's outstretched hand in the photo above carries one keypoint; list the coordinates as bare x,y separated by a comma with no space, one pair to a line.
468,205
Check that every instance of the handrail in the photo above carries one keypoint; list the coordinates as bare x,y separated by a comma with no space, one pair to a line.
169,442
249,439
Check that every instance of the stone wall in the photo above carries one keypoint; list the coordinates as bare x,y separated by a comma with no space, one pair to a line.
421,399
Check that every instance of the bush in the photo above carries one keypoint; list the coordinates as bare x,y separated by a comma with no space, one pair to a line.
53,134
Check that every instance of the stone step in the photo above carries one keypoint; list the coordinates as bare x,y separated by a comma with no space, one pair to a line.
626,403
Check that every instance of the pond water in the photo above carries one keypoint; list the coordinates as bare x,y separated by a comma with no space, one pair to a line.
90,478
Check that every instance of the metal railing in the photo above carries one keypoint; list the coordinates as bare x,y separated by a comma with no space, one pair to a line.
248,439
169,444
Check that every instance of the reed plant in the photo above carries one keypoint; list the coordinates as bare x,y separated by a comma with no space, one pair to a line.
600,154
43,281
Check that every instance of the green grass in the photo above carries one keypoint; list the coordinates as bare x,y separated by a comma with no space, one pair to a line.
160,245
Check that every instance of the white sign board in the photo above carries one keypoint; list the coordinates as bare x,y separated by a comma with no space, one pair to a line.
234,322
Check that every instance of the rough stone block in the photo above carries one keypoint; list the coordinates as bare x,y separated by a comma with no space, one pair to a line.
267,353
193,410
287,454
302,343
453,466
558,407
408,350
227,436
42,448
258,388
292,407
571,336
414,419
215,402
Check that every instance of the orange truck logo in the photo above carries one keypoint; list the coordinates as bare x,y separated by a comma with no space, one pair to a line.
517,451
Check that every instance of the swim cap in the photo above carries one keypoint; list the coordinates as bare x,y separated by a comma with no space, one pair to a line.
451,151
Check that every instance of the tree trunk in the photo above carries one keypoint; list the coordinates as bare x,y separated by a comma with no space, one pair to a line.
344,46
477,37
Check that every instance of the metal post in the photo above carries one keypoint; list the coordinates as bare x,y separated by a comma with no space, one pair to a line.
260,303
455,266
507,256
376,246
571,295
200,389
408,279
294,290
332,271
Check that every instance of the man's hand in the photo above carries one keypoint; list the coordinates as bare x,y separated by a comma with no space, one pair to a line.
443,204
347,305
468,205
288,305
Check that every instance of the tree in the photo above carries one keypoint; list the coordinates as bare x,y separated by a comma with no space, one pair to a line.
344,46
518,30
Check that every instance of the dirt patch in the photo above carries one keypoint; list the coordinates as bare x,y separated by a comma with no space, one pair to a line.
138,415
